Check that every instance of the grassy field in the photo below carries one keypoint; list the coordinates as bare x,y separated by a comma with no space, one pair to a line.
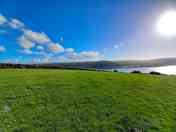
86,101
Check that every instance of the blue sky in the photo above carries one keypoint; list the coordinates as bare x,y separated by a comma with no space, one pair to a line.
77,30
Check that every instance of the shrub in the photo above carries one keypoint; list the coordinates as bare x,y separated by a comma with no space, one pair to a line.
115,71
155,73
136,72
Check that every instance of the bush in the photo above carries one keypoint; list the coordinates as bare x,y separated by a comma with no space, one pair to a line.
115,71
155,73
136,72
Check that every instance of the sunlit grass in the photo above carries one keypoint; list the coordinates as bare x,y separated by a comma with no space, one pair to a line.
86,101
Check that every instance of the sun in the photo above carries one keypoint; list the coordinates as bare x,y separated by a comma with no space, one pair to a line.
166,24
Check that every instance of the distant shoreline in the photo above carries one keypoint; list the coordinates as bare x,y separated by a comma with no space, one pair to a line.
96,64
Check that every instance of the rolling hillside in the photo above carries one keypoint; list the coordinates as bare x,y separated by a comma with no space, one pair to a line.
86,101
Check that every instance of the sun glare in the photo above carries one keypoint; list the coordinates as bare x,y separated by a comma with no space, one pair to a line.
166,24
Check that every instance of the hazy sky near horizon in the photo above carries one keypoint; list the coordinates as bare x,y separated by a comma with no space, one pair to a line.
76,30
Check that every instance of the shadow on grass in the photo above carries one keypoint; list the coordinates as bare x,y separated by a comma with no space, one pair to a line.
134,124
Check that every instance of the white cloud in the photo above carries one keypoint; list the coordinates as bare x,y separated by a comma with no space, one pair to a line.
72,56
40,48
16,24
40,38
62,59
26,51
116,46
69,50
89,54
46,57
2,49
83,56
46,60
56,48
61,40
2,19
25,43
36,60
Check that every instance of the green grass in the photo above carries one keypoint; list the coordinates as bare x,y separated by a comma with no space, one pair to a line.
86,101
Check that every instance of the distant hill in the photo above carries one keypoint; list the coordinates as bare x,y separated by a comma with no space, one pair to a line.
97,64
117,64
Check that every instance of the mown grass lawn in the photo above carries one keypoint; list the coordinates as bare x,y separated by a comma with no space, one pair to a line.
86,101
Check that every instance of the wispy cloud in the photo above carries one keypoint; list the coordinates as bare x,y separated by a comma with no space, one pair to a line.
116,46
25,51
68,50
25,43
40,44
16,24
40,48
82,56
89,55
2,49
2,19
40,38
56,48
